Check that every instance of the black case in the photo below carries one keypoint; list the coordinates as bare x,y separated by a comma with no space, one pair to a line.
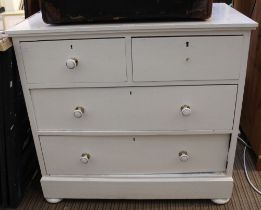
91,11
18,161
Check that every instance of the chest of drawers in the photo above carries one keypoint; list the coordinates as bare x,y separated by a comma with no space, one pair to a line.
135,111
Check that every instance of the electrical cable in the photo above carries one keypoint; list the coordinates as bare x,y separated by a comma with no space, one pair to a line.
243,142
247,146
253,9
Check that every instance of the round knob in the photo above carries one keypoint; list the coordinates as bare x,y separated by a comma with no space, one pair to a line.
186,110
85,157
72,63
78,112
183,156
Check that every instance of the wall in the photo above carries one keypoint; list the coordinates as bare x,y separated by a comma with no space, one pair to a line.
10,5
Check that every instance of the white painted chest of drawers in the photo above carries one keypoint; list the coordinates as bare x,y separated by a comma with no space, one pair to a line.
135,111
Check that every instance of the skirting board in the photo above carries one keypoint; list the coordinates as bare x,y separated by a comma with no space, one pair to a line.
137,188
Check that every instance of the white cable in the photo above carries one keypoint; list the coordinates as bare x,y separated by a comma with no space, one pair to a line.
248,179
246,145
243,142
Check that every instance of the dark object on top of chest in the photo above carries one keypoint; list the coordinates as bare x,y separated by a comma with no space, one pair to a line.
93,11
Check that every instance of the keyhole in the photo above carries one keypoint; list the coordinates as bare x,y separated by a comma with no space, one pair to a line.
134,139
71,47
187,44
130,92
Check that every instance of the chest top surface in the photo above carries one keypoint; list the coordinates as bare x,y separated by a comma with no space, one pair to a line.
223,18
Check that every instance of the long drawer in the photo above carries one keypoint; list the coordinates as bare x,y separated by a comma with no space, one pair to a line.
69,61
187,58
134,155
136,108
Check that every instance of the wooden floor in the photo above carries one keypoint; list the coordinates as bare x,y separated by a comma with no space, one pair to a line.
243,196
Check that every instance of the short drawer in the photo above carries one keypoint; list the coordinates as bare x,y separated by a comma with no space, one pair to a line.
135,108
187,58
66,155
69,61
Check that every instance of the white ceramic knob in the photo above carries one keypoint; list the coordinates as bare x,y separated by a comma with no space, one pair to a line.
186,110
71,63
85,157
183,156
78,112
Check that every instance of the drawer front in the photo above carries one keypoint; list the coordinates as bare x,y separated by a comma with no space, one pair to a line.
134,155
136,108
186,58
97,60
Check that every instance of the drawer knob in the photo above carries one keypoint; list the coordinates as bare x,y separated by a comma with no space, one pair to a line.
71,63
183,156
78,112
186,110
85,158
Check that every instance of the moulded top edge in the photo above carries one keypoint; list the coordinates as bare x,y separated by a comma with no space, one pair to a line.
223,17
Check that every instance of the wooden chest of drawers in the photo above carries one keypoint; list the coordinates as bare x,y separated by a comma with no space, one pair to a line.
135,111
